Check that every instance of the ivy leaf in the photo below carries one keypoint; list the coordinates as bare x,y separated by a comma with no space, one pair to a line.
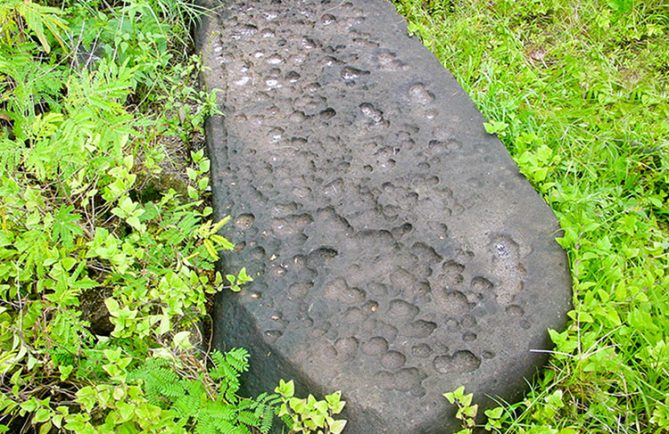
181,340
495,127
337,426
494,413
65,371
87,397
285,389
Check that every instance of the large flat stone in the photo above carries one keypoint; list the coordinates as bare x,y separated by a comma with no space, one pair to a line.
396,250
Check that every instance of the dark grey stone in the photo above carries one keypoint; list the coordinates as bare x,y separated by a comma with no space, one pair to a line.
396,250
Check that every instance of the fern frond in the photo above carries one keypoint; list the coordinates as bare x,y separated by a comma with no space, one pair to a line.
158,382
248,418
195,388
238,358
218,359
187,406
231,393
241,429
208,426
169,389
270,399
246,404
219,410
266,419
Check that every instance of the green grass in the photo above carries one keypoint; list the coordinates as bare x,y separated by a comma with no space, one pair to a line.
578,92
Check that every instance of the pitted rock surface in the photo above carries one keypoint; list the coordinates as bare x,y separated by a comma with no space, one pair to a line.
397,252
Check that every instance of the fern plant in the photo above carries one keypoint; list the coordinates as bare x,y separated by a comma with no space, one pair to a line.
206,404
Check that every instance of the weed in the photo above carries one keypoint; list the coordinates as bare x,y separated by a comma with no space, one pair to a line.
466,410
310,415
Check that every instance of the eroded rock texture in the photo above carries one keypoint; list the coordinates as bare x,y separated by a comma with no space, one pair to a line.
397,252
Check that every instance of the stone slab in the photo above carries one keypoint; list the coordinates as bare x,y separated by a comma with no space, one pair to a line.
397,252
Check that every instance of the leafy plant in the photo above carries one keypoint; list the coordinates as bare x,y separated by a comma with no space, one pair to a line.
310,415
466,410
206,403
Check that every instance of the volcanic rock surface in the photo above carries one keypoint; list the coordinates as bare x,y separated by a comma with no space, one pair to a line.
397,252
